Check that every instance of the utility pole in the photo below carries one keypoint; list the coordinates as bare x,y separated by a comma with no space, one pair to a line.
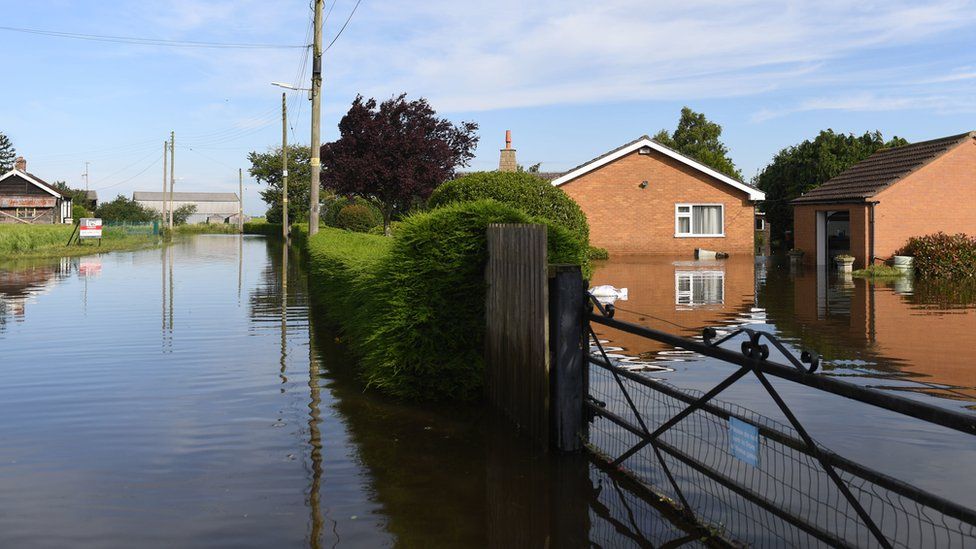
86,176
316,163
240,200
284,166
172,174
165,157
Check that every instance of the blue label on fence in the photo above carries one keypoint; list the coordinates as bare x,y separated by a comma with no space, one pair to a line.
744,441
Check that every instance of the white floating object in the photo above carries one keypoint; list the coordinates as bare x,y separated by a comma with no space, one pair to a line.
608,294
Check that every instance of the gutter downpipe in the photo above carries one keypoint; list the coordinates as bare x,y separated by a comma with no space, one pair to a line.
871,234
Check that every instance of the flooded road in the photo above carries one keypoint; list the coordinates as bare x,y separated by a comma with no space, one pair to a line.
186,397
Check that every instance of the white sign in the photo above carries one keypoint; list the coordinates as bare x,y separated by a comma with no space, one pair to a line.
90,227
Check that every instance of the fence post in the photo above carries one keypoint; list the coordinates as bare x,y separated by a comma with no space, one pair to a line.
568,356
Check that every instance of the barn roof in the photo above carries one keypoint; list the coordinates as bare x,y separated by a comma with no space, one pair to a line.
646,141
881,170
152,196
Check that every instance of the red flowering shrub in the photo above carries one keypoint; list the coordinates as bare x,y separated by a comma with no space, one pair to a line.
942,255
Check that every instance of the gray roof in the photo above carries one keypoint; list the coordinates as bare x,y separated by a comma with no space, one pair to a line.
151,196
879,171
91,195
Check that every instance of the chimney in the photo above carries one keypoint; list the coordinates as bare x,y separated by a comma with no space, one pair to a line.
21,164
507,161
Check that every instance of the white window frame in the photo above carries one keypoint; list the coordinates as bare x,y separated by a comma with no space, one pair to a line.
691,221
689,294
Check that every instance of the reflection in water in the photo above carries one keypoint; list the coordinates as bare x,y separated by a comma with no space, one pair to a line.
904,329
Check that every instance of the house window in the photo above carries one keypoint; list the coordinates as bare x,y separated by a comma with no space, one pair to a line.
699,220
760,223
698,288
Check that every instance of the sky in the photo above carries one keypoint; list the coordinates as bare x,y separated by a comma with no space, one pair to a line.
570,79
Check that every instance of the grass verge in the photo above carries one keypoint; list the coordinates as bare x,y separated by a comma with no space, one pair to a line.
40,241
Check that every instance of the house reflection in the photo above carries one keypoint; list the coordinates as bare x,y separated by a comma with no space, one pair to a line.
912,328
677,296
23,280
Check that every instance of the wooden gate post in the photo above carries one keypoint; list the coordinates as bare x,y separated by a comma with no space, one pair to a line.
568,365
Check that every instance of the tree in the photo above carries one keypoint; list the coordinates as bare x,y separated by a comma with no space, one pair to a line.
266,168
699,138
125,209
183,213
803,167
7,154
395,153
77,196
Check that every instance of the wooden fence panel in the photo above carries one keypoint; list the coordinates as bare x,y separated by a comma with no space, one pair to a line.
517,325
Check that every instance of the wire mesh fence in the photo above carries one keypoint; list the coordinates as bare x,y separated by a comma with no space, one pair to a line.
786,497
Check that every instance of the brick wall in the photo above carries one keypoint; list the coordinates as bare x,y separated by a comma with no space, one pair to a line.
626,219
939,197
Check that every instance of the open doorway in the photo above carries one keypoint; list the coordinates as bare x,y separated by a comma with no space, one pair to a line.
833,235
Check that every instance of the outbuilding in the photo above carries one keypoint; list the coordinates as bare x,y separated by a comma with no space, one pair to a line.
209,206
26,198
871,210
646,198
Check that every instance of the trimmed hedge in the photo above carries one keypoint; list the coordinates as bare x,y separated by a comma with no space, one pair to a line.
357,218
942,255
267,229
411,307
529,193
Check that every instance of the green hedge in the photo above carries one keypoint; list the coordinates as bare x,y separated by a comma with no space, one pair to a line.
330,216
529,193
267,229
411,307
942,255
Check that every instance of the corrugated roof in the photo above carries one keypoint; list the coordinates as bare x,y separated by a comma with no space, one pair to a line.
880,170
154,196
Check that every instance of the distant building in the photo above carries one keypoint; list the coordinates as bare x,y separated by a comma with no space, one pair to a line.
26,198
210,206
873,208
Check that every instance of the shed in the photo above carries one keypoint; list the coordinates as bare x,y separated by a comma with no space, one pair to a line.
871,209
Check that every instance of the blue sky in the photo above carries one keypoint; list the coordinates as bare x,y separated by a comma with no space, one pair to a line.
570,79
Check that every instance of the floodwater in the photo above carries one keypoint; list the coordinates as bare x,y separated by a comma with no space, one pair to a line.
906,336
186,397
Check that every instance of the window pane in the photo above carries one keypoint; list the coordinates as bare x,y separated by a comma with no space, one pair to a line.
684,209
707,219
684,225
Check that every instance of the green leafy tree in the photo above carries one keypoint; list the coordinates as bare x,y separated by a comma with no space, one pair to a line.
7,154
801,168
125,209
77,196
699,138
266,168
183,213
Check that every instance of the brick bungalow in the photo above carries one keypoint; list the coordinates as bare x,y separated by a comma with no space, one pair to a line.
645,198
26,198
874,207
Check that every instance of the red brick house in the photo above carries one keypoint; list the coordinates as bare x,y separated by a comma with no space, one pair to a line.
875,206
645,198
26,198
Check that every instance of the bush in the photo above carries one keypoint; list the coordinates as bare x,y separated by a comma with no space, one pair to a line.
125,209
596,253
878,271
183,213
331,214
263,228
525,191
942,255
358,218
412,307
78,211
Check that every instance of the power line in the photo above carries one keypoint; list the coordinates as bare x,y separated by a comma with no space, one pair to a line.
144,170
150,41
353,12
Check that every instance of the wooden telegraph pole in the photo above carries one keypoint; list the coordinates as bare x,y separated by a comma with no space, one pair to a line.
284,165
316,165
172,174
165,156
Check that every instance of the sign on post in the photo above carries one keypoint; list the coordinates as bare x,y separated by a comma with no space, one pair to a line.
744,441
90,227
